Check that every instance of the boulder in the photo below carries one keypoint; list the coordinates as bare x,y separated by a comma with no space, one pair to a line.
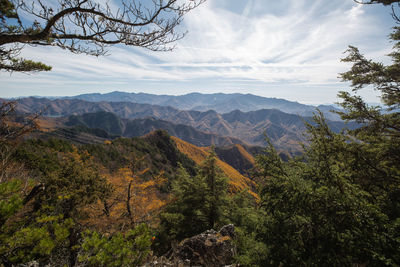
210,248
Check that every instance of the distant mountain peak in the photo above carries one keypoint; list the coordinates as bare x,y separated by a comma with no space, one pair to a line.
220,102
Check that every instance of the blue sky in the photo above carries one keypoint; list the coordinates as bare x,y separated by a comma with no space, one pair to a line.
288,49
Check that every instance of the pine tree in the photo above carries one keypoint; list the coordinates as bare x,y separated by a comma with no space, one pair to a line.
186,214
378,147
217,187
198,203
339,204
316,214
86,26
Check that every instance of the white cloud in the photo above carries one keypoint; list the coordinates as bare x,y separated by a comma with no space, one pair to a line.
267,42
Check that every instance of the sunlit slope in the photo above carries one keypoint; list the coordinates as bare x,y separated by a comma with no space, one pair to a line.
245,154
237,181
238,157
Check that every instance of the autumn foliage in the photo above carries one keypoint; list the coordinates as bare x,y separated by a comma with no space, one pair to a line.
133,201
237,181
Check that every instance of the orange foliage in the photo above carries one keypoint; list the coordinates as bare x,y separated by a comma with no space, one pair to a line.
237,181
246,154
133,201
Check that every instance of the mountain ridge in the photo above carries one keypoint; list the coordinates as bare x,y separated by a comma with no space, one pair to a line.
285,130
220,102
114,125
237,181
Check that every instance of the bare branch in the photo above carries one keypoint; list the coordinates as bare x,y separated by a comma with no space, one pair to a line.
85,26
372,2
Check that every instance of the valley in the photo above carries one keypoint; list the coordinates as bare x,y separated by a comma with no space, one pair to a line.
199,133
202,128
221,103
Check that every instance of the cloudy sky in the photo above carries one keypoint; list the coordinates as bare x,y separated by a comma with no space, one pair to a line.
287,49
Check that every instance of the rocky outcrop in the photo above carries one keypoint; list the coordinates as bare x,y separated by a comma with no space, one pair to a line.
210,248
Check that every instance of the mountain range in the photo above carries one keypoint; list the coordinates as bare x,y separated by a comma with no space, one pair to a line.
285,130
116,126
221,103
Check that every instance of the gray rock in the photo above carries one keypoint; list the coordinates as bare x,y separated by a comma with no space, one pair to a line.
228,230
210,248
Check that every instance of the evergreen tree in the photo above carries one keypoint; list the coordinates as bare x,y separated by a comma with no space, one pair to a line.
316,214
244,213
45,224
217,187
198,203
378,149
119,250
186,214
376,143
339,204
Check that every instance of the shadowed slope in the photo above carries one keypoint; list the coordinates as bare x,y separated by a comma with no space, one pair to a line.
237,181
236,156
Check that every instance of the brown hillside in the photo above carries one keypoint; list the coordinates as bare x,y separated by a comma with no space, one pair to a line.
236,156
246,154
237,181
284,130
48,124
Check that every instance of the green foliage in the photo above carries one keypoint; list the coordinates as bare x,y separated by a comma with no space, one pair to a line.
169,152
216,194
269,162
199,203
156,152
71,183
243,212
317,213
379,137
72,187
46,224
375,147
41,240
10,200
250,250
186,215
99,120
340,203
71,180
122,249
42,157
23,65
22,238
7,10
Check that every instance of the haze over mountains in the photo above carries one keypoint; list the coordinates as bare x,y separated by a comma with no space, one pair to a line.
221,103
200,128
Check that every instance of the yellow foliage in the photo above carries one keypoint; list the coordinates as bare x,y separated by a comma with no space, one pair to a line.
237,181
74,155
143,198
246,154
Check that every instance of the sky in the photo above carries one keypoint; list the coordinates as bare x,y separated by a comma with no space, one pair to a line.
287,49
